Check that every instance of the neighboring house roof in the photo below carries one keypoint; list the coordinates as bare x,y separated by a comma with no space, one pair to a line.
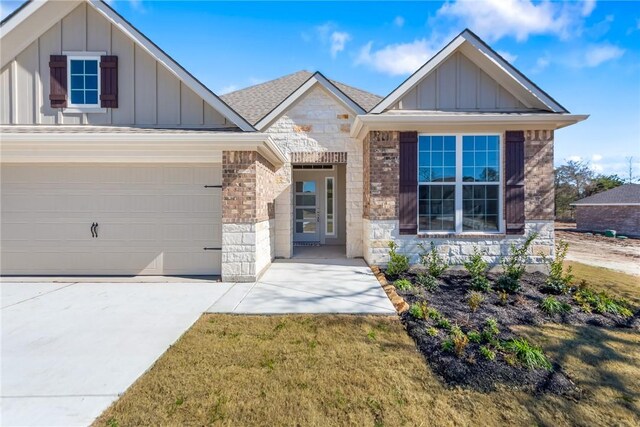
624,195
481,53
13,21
256,102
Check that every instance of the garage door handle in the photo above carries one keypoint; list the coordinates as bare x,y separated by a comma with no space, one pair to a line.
96,229
93,231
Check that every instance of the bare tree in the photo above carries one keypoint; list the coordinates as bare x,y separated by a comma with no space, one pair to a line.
631,178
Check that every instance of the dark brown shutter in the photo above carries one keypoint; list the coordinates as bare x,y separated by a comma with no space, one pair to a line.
109,81
58,81
514,182
408,197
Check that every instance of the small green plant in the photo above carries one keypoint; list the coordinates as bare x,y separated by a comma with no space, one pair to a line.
558,282
431,331
398,263
503,298
477,268
487,353
459,339
443,323
551,306
474,336
528,354
371,335
475,299
601,302
513,265
447,345
112,422
418,310
432,260
403,284
490,330
427,281
434,314
179,401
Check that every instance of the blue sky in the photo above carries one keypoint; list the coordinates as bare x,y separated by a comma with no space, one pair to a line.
585,54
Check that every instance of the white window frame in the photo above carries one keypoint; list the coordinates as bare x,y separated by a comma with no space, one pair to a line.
83,108
333,206
458,183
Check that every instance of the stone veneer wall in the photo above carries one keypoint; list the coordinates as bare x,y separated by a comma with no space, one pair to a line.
381,197
625,220
247,215
318,123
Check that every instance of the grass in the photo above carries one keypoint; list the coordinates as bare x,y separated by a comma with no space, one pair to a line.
620,284
331,370
551,305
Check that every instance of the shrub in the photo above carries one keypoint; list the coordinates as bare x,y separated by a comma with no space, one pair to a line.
403,284
487,353
477,268
447,345
427,281
432,260
528,354
459,339
398,263
443,323
433,313
475,299
418,310
503,298
431,331
474,336
490,330
601,302
557,282
551,306
513,265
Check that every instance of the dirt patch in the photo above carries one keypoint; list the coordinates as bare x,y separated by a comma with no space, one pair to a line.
597,250
472,369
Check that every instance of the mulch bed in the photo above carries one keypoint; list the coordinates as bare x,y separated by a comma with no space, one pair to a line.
473,370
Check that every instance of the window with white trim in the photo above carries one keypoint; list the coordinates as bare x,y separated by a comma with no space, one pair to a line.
84,81
459,183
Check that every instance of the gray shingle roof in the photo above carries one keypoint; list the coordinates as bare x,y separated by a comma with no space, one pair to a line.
255,102
625,194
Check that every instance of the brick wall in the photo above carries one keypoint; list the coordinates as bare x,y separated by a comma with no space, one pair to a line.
248,182
381,175
624,219
539,175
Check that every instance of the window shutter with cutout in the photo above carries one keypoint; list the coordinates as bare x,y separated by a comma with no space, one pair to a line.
58,81
109,81
514,182
408,197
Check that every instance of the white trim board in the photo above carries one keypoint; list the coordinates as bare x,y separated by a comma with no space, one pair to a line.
62,8
488,61
316,78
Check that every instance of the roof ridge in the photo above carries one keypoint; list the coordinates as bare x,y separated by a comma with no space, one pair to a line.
269,81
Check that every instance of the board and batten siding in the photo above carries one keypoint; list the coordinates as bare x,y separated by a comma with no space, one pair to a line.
149,93
459,85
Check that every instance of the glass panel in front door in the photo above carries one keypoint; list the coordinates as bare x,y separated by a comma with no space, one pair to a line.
306,211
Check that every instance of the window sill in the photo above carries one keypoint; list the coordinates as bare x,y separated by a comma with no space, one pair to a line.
461,235
88,110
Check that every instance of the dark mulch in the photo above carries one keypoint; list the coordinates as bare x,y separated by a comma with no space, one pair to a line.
472,369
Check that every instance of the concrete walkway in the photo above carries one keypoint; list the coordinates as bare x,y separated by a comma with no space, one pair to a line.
70,349
311,285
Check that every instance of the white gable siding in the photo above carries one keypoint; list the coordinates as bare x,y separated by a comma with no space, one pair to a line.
149,94
459,85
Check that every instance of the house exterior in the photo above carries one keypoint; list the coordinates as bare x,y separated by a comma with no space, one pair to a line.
616,209
116,161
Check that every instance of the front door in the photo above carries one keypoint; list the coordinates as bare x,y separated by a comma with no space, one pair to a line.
307,216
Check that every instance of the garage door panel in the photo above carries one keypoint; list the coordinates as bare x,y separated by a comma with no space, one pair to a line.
154,219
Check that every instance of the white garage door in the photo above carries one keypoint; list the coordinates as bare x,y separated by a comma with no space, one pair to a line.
152,219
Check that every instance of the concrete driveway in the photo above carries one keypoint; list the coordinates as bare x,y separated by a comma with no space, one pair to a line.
309,285
69,349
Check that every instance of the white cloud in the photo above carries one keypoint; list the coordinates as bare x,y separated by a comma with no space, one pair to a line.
598,54
398,21
227,89
397,59
574,158
541,64
596,157
495,19
338,40
510,57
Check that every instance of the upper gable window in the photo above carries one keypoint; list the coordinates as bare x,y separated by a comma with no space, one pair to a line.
84,78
